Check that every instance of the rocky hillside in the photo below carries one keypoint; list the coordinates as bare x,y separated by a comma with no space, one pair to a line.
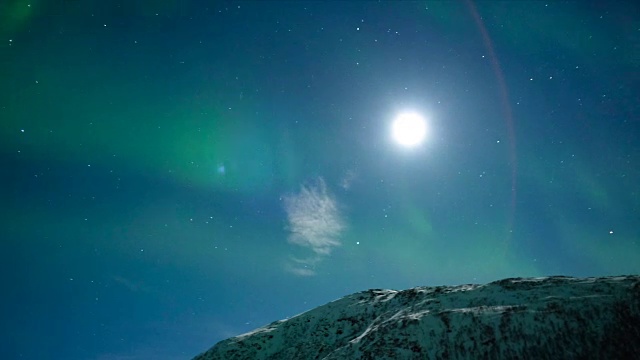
526,318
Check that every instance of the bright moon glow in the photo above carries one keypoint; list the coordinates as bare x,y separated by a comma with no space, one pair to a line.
409,129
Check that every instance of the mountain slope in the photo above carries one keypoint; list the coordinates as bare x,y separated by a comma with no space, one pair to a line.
551,317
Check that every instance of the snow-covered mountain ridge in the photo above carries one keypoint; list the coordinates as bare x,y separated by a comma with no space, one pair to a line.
536,318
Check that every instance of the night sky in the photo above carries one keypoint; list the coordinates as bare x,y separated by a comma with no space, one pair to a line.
178,172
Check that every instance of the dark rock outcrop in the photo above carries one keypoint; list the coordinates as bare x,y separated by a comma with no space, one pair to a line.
522,318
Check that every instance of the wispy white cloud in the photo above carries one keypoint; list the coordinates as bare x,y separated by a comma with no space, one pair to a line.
301,270
314,223
348,179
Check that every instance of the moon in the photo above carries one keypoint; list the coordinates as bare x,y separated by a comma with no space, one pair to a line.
409,129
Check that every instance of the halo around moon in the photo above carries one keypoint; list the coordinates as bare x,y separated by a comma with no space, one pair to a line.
409,129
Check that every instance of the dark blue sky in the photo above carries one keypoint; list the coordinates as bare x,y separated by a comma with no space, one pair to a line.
178,172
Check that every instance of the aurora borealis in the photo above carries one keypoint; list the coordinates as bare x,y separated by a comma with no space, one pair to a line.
179,172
